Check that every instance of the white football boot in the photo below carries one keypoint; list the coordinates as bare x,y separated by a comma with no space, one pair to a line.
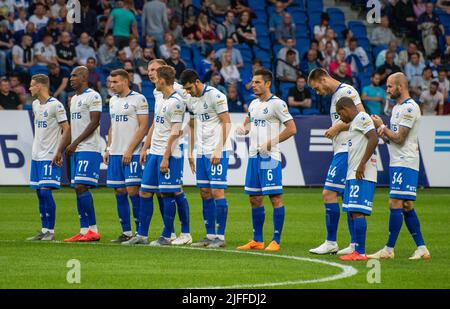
183,239
383,254
347,250
421,253
328,247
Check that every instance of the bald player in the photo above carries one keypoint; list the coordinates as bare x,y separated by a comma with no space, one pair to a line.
85,111
324,85
402,139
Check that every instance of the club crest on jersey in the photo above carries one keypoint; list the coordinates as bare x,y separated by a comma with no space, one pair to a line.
164,109
409,109
79,103
205,106
126,105
265,111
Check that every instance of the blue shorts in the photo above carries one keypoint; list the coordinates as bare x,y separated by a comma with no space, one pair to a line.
263,176
358,196
120,175
403,184
337,173
155,181
43,174
85,168
212,176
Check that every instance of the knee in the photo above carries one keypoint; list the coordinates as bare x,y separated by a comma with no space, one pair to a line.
329,196
145,194
395,204
132,190
80,189
120,191
408,206
277,200
218,193
205,193
255,201
357,215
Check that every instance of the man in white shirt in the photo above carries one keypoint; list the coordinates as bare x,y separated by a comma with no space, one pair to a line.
45,51
432,99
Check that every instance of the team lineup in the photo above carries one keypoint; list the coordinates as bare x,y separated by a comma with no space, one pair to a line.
138,169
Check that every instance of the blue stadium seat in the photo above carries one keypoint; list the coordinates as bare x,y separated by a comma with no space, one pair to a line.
337,16
299,3
311,111
264,41
261,15
246,52
301,31
186,53
302,45
338,28
378,49
38,69
314,5
358,28
294,111
284,89
263,55
197,3
276,48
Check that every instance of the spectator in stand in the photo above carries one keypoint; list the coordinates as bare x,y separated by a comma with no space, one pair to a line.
436,63
414,69
122,20
84,50
133,86
54,9
21,22
134,50
329,54
18,87
155,20
290,45
389,67
276,19
39,18
189,30
311,63
286,30
65,52
239,6
256,65
321,29
356,55
229,71
419,7
128,66
6,44
422,83
430,28
432,99
95,81
52,28
299,96
205,32
175,61
88,21
59,82
381,58
340,57
227,29
215,68
246,33
443,5
217,7
287,71
23,57
6,9
107,53
405,18
374,96
236,56
348,36
142,63
329,38
166,48
176,30
315,46
382,34
216,82
444,84
205,63
341,74
30,30
9,100
45,51
405,55
235,104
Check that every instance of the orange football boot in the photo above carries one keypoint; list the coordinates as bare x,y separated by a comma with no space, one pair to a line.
354,256
252,245
273,246
74,238
90,236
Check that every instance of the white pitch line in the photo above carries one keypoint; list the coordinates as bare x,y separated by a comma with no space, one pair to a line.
347,271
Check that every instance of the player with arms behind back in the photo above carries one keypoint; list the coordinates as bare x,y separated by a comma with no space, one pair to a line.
85,111
403,144
264,122
129,123
324,84
362,172
46,158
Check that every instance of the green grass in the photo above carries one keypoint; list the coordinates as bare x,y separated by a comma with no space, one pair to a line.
43,265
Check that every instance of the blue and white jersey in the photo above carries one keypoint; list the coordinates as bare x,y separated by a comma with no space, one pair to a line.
47,132
206,110
266,120
80,107
344,90
357,145
408,115
167,112
177,88
124,113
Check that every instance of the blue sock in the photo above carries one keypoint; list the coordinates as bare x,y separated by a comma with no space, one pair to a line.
209,209
83,209
221,215
278,221
258,217
161,209
395,225
145,215
136,203
332,214
50,208
170,209
351,228
360,225
413,224
41,199
123,209
183,212
90,207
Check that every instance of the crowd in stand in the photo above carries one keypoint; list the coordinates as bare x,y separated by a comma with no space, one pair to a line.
225,41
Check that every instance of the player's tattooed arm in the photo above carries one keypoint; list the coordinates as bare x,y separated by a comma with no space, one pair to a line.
191,144
90,128
106,154
398,137
65,140
244,129
147,144
225,123
335,129
137,138
289,131
174,135
370,149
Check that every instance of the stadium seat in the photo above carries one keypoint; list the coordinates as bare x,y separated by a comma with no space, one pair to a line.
294,111
276,48
311,111
301,31
378,49
299,3
358,28
337,16
38,69
284,89
314,5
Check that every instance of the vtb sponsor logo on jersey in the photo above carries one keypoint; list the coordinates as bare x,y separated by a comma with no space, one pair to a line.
76,115
259,122
119,118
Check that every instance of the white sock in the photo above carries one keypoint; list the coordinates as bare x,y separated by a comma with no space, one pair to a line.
221,237
44,230
422,247
210,236
84,230
128,233
353,246
52,231
93,228
144,237
388,249
185,234
334,243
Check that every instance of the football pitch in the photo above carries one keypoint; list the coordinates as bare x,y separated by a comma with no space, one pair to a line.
25,264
